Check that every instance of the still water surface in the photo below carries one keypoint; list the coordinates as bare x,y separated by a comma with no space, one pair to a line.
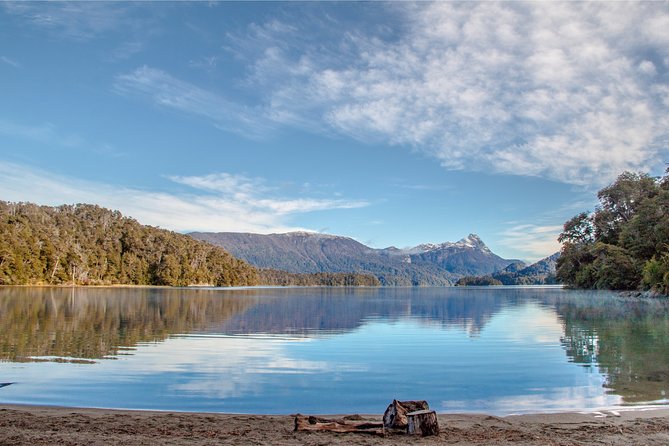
332,350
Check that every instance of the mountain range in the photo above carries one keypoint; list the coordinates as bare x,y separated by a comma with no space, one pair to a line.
539,273
542,272
306,252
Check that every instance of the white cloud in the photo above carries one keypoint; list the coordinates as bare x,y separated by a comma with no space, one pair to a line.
165,90
251,193
126,50
11,62
221,202
533,242
75,20
47,133
51,135
574,92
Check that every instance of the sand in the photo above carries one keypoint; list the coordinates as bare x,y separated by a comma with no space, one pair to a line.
29,425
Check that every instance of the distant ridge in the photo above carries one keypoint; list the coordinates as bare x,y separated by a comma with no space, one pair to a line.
539,273
307,252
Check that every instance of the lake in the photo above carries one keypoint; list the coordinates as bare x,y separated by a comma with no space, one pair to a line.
500,350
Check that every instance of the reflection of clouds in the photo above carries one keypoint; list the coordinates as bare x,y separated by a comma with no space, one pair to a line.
531,323
558,399
236,369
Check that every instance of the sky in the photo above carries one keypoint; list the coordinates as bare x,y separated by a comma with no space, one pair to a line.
392,123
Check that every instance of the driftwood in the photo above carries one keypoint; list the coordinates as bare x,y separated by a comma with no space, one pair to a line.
311,423
395,416
423,422
413,417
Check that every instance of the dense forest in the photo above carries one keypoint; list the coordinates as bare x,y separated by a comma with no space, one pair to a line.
88,245
477,281
624,244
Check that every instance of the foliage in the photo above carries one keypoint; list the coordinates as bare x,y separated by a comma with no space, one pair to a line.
577,230
89,245
623,244
477,281
656,273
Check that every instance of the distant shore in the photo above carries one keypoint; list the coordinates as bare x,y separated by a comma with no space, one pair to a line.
31,425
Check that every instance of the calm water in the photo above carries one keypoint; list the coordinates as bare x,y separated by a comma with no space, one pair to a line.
325,350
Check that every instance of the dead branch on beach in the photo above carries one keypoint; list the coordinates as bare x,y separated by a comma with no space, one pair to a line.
311,423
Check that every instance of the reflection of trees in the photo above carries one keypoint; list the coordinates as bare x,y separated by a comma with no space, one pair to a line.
95,323
628,339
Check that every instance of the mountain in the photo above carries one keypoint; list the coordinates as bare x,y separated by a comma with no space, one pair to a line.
469,256
544,267
539,273
306,252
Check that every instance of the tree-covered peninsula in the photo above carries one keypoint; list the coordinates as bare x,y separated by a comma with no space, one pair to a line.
624,244
86,244
89,245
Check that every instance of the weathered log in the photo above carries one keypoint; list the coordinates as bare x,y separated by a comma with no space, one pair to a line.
395,416
423,422
311,423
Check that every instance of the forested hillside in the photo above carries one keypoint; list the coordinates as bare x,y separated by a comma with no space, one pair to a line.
276,277
89,245
624,244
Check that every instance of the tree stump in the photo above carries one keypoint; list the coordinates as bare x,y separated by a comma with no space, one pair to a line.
395,416
422,422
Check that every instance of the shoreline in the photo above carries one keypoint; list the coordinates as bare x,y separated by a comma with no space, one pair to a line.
31,425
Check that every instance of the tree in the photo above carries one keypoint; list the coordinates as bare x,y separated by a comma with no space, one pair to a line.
619,203
622,244
577,230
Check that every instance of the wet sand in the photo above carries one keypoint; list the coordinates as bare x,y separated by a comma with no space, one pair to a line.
29,425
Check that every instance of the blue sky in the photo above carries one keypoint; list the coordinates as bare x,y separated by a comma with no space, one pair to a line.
392,123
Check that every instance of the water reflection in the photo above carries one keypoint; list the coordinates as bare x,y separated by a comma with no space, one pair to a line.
328,310
628,339
494,349
76,324
94,323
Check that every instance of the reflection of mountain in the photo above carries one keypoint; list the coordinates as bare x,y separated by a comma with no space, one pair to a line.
95,323
628,339
327,310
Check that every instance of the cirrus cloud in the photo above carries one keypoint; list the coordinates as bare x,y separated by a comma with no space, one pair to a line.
218,202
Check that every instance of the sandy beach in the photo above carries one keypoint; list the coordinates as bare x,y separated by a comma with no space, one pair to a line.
29,425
